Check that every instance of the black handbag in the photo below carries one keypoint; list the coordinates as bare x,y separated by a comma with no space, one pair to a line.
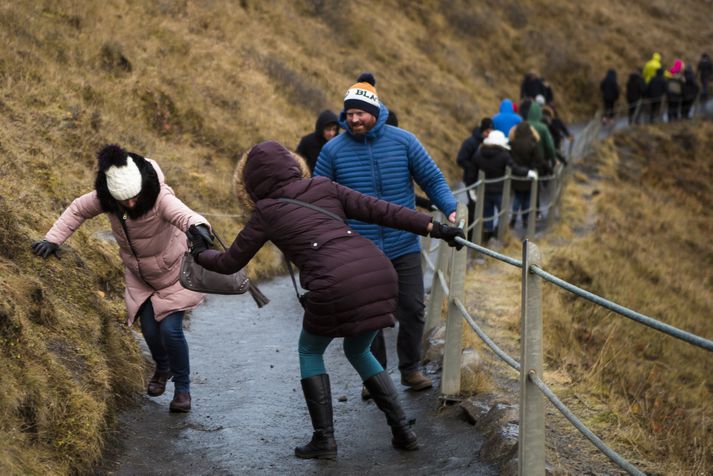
196,278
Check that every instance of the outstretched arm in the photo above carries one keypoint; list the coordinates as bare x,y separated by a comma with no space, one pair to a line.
246,245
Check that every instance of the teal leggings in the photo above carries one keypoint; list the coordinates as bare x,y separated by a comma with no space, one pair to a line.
356,348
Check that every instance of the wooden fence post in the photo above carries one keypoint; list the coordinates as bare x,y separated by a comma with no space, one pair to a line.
532,216
426,245
504,221
438,294
479,205
450,381
531,444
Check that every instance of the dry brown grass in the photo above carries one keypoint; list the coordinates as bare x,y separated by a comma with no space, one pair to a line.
647,247
193,85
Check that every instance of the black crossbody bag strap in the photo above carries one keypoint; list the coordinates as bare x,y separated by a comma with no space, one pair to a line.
300,297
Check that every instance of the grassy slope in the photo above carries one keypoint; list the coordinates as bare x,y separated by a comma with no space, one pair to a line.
206,80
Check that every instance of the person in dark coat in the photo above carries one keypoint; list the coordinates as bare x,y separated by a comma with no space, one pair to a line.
465,159
531,86
492,158
655,91
635,90
705,73
558,129
351,286
610,94
325,128
690,91
674,90
525,152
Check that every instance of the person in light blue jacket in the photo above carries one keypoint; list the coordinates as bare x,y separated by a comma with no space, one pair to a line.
507,118
383,161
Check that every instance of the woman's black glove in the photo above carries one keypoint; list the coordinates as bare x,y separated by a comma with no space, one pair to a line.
447,233
45,248
200,238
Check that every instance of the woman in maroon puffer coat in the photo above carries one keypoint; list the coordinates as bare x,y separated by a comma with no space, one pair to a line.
352,287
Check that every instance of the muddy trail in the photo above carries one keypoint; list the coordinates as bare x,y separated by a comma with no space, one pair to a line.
249,413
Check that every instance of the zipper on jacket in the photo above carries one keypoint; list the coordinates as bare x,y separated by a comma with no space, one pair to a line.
122,220
377,188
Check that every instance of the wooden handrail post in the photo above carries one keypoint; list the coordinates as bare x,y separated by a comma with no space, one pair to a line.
532,216
426,245
479,205
438,294
531,444
450,381
504,222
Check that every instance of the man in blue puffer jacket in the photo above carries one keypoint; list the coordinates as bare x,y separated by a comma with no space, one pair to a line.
383,161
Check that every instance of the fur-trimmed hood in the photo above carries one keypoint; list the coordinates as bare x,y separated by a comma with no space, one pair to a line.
263,169
113,155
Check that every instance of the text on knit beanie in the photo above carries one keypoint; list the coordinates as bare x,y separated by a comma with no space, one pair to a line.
362,95
124,182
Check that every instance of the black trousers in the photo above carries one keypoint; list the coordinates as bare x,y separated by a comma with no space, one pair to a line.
410,312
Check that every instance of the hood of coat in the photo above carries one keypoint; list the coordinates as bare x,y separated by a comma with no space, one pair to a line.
151,180
506,107
535,113
324,119
264,170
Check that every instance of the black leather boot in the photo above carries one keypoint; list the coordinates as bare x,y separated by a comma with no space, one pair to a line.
384,394
318,396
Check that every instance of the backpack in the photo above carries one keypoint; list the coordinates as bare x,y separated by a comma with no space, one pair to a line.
674,86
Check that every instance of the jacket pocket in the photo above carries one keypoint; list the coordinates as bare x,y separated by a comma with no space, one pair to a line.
324,238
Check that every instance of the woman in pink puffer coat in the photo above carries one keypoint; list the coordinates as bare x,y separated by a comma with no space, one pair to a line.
148,222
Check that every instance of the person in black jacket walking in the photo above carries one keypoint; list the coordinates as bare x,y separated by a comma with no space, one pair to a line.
465,160
325,128
655,91
492,158
690,91
635,89
610,94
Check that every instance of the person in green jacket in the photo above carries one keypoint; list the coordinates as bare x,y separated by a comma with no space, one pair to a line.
546,143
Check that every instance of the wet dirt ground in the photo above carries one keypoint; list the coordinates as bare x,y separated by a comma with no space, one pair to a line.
249,412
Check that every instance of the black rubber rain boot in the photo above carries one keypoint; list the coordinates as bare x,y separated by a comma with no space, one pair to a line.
384,394
318,396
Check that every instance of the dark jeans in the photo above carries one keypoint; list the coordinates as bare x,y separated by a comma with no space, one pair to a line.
410,312
493,201
167,344
520,202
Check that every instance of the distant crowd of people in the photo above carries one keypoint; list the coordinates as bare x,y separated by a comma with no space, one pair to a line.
649,87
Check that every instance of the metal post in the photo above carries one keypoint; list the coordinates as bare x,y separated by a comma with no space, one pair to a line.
532,216
504,222
438,294
479,205
556,185
450,381
531,444
426,246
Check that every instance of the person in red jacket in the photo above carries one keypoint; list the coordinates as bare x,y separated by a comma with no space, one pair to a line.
352,286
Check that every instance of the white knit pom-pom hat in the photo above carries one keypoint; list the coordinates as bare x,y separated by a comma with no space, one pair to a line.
124,182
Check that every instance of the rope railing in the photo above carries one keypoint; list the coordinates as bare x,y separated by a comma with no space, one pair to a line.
596,441
624,311
532,388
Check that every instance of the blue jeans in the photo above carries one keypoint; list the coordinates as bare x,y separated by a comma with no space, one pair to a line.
493,200
521,202
167,344
311,350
